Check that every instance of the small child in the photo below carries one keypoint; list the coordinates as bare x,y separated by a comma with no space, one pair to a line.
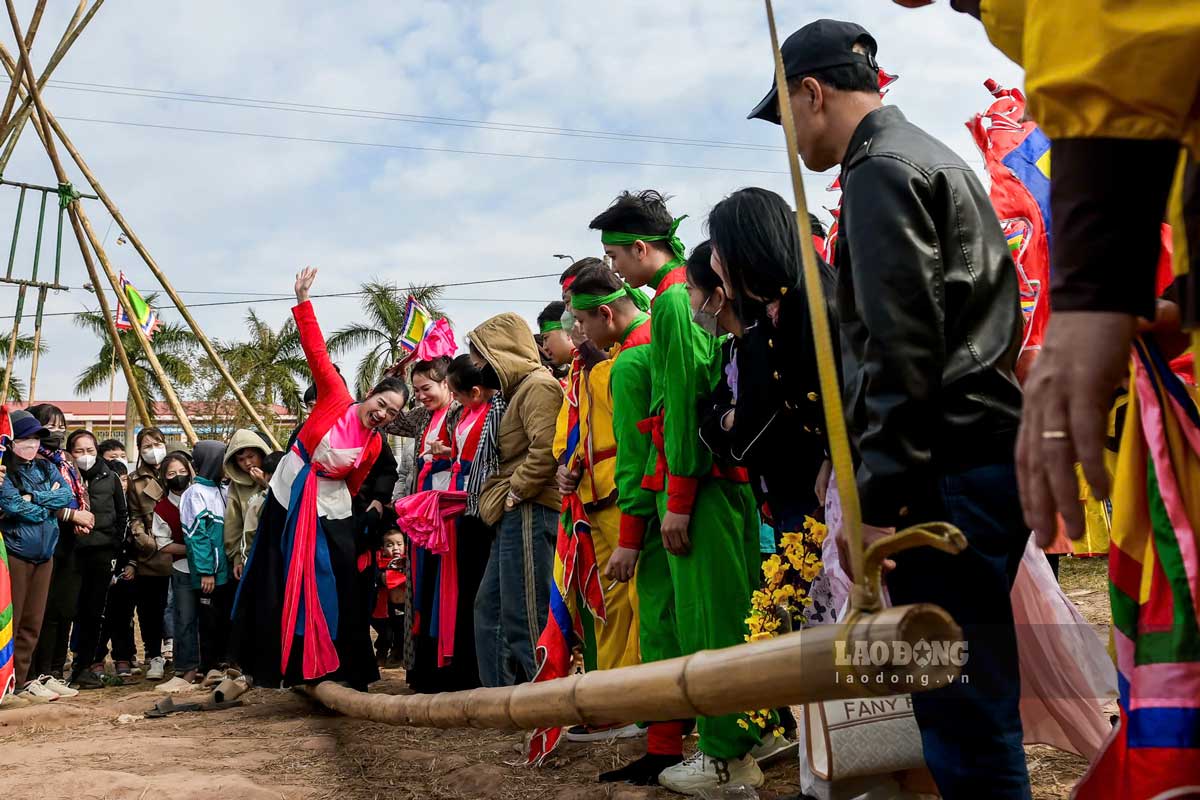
202,516
388,616
254,506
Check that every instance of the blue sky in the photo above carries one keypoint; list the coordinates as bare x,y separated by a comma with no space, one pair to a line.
228,213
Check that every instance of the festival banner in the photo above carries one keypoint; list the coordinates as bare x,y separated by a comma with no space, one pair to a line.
7,678
146,317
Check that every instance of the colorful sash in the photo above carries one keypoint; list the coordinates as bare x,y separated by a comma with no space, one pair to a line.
7,677
310,606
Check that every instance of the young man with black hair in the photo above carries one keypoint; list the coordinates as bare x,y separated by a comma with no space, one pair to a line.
708,521
930,331
556,342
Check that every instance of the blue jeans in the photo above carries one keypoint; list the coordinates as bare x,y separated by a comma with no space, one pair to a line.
169,612
186,622
514,597
971,730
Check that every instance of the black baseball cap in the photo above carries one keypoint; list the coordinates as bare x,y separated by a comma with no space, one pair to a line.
817,46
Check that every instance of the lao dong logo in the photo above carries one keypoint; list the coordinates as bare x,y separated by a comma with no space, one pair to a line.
925,656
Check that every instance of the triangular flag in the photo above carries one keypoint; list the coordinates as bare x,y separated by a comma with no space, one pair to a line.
145,316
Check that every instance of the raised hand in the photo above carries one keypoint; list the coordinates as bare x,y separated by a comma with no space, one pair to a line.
304,281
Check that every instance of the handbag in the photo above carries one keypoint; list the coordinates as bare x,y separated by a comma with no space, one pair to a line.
862,736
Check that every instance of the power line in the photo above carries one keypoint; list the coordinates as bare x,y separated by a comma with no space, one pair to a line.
367,113
388,146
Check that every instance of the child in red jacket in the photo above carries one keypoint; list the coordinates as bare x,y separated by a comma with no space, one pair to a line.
387,618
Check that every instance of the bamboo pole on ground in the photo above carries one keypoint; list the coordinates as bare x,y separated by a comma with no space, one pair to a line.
802,667
123,224
75,210
34,24
12,345
12,131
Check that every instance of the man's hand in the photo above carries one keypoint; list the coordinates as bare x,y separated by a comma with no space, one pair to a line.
207,584
675,533
622,564
304,282
258,476
1067,401
237,571
568,479
822,485
870,534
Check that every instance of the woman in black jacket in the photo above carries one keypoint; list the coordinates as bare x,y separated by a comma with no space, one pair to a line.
95,555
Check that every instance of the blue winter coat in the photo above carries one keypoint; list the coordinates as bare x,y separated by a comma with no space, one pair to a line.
30,526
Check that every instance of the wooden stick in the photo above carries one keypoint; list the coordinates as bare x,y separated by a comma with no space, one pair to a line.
801,667
112,390
116,214
21,40
77,223
12,131
12,346
37,344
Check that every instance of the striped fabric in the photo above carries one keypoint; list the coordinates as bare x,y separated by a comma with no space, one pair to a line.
6,625
1154,584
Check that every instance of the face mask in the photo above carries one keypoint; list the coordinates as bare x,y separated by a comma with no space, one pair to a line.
53,442
707,320
85,463
26,449
154,455
567,320
177,483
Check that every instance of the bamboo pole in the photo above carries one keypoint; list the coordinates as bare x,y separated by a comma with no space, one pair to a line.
34,24
75,210
802,667
12,131
37,344
215,357
112,389
12,345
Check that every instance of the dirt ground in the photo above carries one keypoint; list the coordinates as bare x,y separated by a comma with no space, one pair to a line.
281,746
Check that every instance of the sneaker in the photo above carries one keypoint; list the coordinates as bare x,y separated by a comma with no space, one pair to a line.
168,649
87,679
699,774
11,701
174,686
774,748
58,686
34,692
158,665
123,669
587,733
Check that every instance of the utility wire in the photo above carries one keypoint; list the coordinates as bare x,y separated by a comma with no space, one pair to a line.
388,146
366,113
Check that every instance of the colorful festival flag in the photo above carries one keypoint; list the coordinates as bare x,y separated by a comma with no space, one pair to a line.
1154,587
7,678
146,317
417,320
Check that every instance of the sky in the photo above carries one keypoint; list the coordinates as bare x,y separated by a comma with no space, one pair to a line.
226,214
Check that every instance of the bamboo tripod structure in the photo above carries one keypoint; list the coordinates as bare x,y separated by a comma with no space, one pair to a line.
25,86
803,667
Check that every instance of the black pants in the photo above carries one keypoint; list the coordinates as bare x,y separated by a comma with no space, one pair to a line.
118,623
95,566
51,654
389,632
214,626
150,598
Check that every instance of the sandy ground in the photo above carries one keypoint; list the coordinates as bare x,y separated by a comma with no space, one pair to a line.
280,745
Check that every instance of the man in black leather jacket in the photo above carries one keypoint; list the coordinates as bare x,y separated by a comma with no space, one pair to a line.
930,329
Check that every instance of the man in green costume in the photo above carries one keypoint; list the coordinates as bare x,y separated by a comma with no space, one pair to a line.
708,521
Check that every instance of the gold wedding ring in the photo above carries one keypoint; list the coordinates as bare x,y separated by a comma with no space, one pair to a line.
1054,435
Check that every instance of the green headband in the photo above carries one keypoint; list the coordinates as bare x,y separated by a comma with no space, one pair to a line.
586,302
551,325
626,239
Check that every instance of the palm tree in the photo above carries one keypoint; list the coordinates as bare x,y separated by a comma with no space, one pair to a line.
16,387
174,345
381,332
270,366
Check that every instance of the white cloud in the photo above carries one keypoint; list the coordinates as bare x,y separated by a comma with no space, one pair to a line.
224,213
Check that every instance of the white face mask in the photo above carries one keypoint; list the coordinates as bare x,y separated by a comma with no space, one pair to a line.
154,455
84,463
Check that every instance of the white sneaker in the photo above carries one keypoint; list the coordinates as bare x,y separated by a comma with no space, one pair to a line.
586,733
168,649
174,686
155,671
772,748
60,688
34,692
699,773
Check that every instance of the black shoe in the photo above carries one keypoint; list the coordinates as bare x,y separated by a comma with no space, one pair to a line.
86,680
643,772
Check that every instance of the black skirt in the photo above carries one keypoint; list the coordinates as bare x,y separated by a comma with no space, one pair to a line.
423,674
257,618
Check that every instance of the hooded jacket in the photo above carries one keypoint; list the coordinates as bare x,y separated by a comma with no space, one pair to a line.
202,515
108,505
240,525
31,526
526,437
